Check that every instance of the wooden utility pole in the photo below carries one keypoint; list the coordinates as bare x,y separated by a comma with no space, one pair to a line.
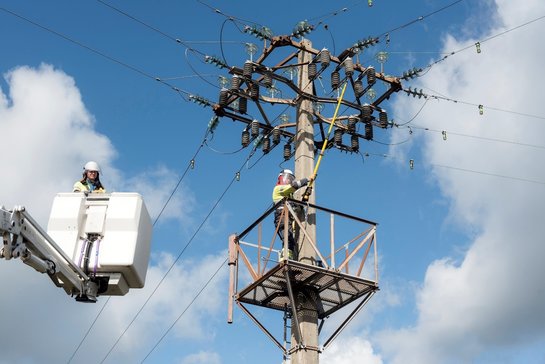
304,289
306,300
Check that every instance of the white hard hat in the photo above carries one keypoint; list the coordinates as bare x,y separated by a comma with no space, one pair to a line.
92,166
286,171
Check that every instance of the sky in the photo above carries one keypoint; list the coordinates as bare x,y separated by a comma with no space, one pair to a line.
460,233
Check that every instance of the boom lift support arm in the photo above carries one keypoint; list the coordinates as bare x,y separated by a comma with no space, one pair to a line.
23,238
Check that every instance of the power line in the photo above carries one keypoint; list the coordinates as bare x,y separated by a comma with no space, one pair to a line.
481,107
477,44
168,271
154,223
88,330
235,178
95,51
186,308
489,174
479,137
185,43
412,166
190,165
420,18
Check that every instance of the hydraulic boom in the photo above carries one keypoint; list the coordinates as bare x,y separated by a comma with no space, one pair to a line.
23,238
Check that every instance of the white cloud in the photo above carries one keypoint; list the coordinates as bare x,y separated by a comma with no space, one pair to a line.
156,186
204,357
47,134
351,350
494,296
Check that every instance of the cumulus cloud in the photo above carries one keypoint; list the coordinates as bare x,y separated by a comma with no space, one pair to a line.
202,357
47,134
156,186
493,296
351,350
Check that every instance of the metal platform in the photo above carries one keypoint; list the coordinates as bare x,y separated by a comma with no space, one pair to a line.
334,289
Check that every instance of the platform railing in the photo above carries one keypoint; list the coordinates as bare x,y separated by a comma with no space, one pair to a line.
344,244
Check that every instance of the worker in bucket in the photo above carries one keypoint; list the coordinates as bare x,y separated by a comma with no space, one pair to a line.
286,185
90,183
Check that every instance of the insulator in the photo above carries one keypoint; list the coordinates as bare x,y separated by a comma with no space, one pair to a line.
245,138
266,146
235,83
338,137
224,96
254,127
258,141
355,143
352,120
213,123
371,77
215,61
312,71
267,79
199,100
366,112
287,151
358,88
302,28
242,105
368,131
254,91
335,80
348,66
383,119
325,58
248,69
276,136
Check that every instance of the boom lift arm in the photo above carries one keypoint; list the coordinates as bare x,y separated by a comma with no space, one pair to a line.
23,238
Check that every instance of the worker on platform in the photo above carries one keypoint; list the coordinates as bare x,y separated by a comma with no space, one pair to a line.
90,183
285,187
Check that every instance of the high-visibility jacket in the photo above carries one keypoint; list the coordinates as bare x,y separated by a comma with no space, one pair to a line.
85,187
281,191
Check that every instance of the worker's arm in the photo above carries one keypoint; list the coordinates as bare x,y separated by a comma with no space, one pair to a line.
79,187
298,184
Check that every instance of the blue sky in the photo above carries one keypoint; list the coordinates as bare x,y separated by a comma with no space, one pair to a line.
460,235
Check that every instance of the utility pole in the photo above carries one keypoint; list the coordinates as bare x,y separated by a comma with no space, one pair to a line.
304,166
320,281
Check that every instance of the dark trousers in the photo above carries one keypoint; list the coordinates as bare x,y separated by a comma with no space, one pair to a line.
279,222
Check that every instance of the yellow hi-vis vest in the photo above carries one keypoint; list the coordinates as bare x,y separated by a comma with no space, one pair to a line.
83,187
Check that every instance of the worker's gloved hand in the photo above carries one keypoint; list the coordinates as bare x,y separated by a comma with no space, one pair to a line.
303,182
307,194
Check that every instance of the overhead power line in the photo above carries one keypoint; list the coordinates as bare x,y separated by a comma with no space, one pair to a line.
190,165
185,310
235,178
480,107
412,164
89,330
420,18
446,132
477,44
99,53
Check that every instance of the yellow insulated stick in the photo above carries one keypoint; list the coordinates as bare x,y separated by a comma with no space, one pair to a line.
308,191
